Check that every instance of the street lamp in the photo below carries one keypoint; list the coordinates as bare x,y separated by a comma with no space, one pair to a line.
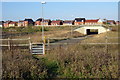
72,28
43,2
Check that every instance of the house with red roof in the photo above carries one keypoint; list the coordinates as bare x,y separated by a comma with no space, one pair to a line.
20,23
38,22
79,21
1,23
117,22
68,22
46,22
6,23
57,22
12,24
111,22
28,22
41,21
93,22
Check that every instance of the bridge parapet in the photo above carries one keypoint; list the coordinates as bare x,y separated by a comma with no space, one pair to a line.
84,29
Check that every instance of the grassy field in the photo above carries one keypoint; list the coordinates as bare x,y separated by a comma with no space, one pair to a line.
72,61
86,60
51,32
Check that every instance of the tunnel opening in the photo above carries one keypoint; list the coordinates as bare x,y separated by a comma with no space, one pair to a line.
92,31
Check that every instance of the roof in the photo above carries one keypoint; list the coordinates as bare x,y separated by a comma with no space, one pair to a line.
68,21
12,22
79,19
1,22
21,20
92,20
55,21
40,19
7,22
29,20
46,20
117,22
110,21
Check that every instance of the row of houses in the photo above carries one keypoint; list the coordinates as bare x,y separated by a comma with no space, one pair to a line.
46,22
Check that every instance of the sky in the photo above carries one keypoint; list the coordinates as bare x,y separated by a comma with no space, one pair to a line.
59,10
60,0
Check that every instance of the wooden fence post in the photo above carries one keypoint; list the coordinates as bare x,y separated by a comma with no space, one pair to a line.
30,43
71,31
106,44
48,43
9,43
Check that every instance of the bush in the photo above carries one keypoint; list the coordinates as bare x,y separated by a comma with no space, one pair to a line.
85,61
17,64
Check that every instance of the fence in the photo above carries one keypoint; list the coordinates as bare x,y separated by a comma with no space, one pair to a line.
9,44
35,48
54,42
71,41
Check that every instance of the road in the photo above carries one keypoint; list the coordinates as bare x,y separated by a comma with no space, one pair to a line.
66,42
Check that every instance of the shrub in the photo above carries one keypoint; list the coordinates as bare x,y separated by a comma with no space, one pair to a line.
17,64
